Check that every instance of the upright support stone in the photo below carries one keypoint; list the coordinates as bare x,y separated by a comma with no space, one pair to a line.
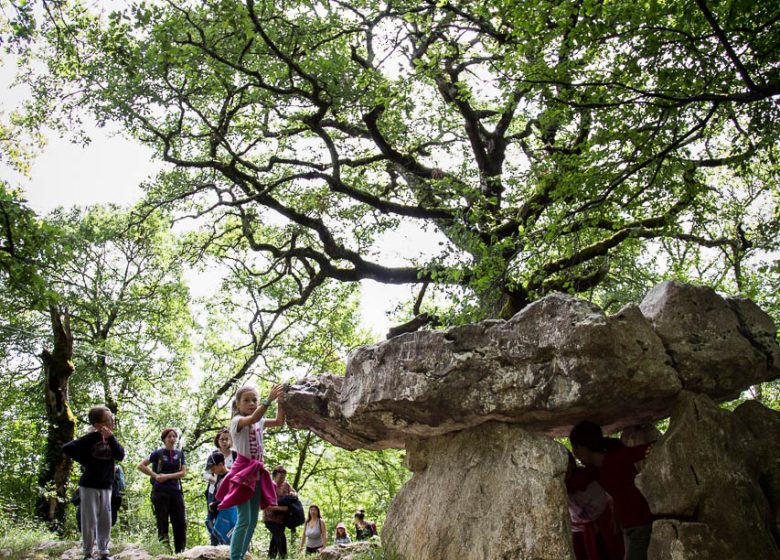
494,491
708,478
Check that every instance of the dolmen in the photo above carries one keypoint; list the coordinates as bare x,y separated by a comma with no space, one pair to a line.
477,408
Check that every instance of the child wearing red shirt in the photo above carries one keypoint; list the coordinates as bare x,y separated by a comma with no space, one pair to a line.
616,472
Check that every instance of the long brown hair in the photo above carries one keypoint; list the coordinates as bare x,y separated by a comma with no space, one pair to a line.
241,390
308,514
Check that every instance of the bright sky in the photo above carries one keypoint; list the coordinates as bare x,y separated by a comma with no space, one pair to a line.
111,168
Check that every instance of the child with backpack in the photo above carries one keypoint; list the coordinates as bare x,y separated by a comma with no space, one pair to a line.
220,524
220,527
97,453
288,513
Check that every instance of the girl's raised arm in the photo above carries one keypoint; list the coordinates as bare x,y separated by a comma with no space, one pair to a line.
276,392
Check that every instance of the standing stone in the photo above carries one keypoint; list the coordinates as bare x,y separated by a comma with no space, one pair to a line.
702,477
504,499
763,425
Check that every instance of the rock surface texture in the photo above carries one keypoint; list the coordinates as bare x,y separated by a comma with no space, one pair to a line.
558,361
505,498
350,551
712,478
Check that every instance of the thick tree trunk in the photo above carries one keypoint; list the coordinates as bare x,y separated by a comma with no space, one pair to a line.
55,471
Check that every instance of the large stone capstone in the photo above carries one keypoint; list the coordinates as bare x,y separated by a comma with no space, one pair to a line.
558,361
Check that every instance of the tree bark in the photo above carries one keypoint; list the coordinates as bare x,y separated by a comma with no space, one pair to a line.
55,471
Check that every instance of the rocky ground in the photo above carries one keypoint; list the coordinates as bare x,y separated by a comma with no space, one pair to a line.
71,550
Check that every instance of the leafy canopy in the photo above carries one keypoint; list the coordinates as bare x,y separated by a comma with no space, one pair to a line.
549,144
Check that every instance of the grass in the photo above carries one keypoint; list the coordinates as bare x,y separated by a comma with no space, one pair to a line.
377,554
20,540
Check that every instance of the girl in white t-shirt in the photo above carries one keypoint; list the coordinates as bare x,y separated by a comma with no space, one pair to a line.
248,485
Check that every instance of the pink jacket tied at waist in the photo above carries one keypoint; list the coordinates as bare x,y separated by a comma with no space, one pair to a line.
239,484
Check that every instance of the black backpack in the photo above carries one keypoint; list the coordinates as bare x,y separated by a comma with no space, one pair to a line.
294,517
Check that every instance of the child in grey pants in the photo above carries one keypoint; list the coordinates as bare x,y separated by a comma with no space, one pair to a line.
96,452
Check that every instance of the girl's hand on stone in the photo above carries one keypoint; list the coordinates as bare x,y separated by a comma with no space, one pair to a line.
276,392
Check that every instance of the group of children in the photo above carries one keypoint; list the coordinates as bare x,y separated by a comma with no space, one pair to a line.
237,479
600,491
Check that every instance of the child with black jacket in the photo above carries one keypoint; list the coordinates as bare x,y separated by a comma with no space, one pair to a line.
97,453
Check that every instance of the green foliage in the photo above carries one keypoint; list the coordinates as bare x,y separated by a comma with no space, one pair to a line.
128,303
122,287
345,481
28,245
548,145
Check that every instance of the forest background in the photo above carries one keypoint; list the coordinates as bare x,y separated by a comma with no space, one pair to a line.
589,147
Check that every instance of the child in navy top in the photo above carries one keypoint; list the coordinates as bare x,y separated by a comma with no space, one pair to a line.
96,452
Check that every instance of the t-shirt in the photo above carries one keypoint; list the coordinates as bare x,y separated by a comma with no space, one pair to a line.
616,476
586,506
97,457
364,532
249,440
167,461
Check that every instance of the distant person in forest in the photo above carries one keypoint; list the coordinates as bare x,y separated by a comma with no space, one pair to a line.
97,453
218,464
364,530
341,536
315,533
274,516
168,468
248,485
117,493
616,467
